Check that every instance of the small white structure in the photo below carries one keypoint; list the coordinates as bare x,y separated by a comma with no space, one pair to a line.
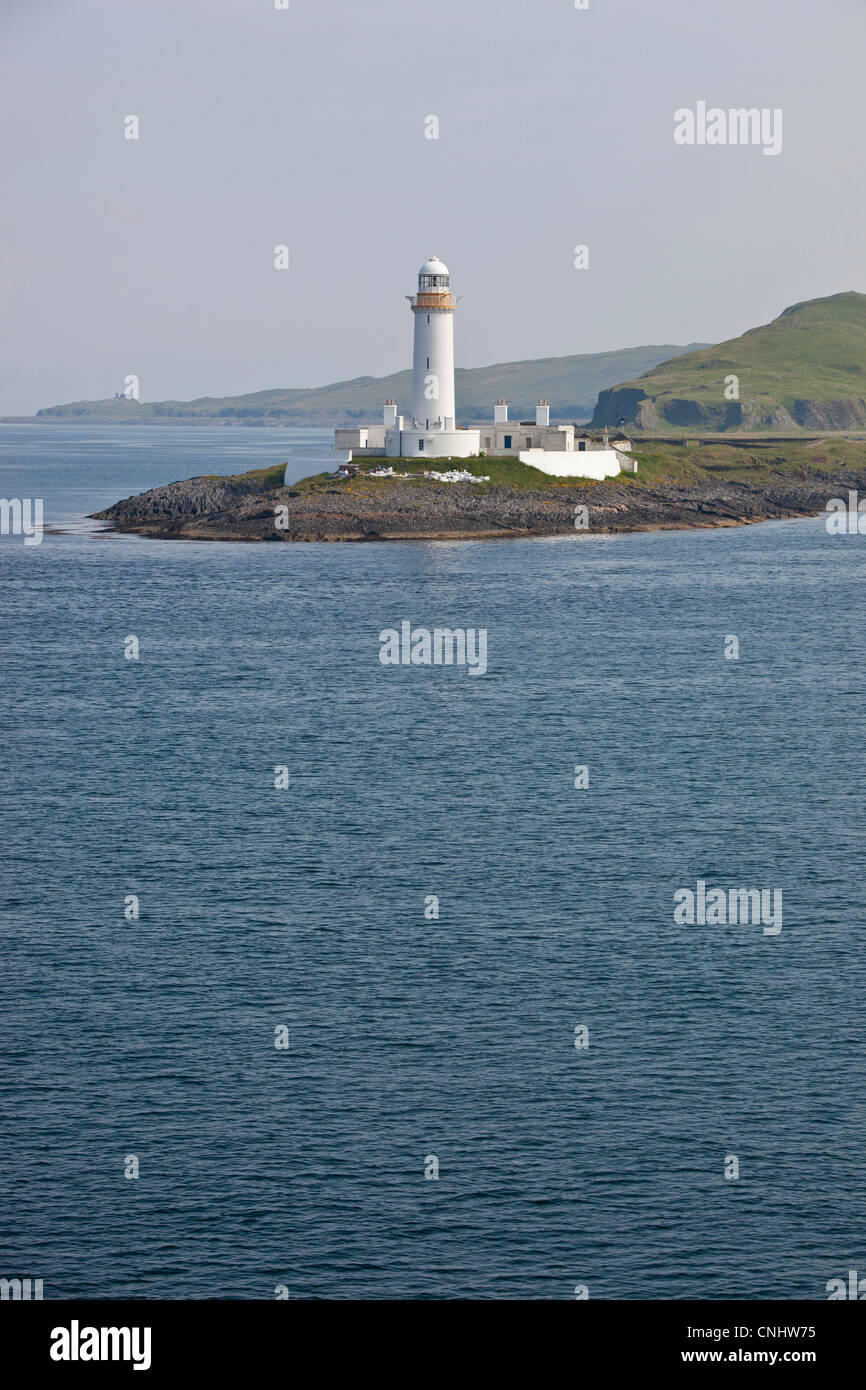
432,431
506,436
368,438
601,463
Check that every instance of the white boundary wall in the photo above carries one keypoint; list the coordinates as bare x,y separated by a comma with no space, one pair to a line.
582,463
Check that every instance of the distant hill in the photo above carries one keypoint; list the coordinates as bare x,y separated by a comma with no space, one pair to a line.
570,384
805,370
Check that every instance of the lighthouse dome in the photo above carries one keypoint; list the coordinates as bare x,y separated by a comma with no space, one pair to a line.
433,267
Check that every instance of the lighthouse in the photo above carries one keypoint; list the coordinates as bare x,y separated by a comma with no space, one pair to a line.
433,363
432,430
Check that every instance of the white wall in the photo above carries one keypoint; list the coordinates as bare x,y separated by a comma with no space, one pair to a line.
364,437
589,463
350,439
626,463
438,444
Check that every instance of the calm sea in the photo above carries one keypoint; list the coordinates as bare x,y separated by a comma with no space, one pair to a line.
412,1037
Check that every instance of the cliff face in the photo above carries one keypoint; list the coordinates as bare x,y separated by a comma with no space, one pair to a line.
805,370
650,413
646,412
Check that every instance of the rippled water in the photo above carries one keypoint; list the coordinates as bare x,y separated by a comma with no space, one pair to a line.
306,907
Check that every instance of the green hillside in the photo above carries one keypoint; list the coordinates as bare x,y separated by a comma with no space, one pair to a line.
805,370
570,384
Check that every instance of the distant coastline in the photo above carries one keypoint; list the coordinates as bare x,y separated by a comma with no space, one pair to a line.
571,383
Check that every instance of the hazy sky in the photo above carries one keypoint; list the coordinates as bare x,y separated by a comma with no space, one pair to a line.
306,127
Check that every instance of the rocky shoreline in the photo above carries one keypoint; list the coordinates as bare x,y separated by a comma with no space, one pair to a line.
246,509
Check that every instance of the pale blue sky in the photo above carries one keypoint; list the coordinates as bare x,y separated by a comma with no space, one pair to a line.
306,127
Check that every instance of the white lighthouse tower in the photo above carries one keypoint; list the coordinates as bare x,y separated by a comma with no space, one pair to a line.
433,363
433,432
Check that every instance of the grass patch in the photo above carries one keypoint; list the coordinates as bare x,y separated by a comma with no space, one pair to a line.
722,460
502,472
748,462
256,477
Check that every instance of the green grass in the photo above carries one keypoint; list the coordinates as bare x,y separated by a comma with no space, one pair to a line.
261,477
750,462
502,472
727,460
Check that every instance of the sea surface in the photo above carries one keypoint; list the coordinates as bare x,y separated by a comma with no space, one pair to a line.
308,908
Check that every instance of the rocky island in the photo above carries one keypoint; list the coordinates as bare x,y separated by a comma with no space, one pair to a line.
678,485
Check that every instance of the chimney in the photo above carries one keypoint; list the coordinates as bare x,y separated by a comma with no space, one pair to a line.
500,413
542,414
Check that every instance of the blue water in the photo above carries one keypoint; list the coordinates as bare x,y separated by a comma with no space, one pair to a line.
305,907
